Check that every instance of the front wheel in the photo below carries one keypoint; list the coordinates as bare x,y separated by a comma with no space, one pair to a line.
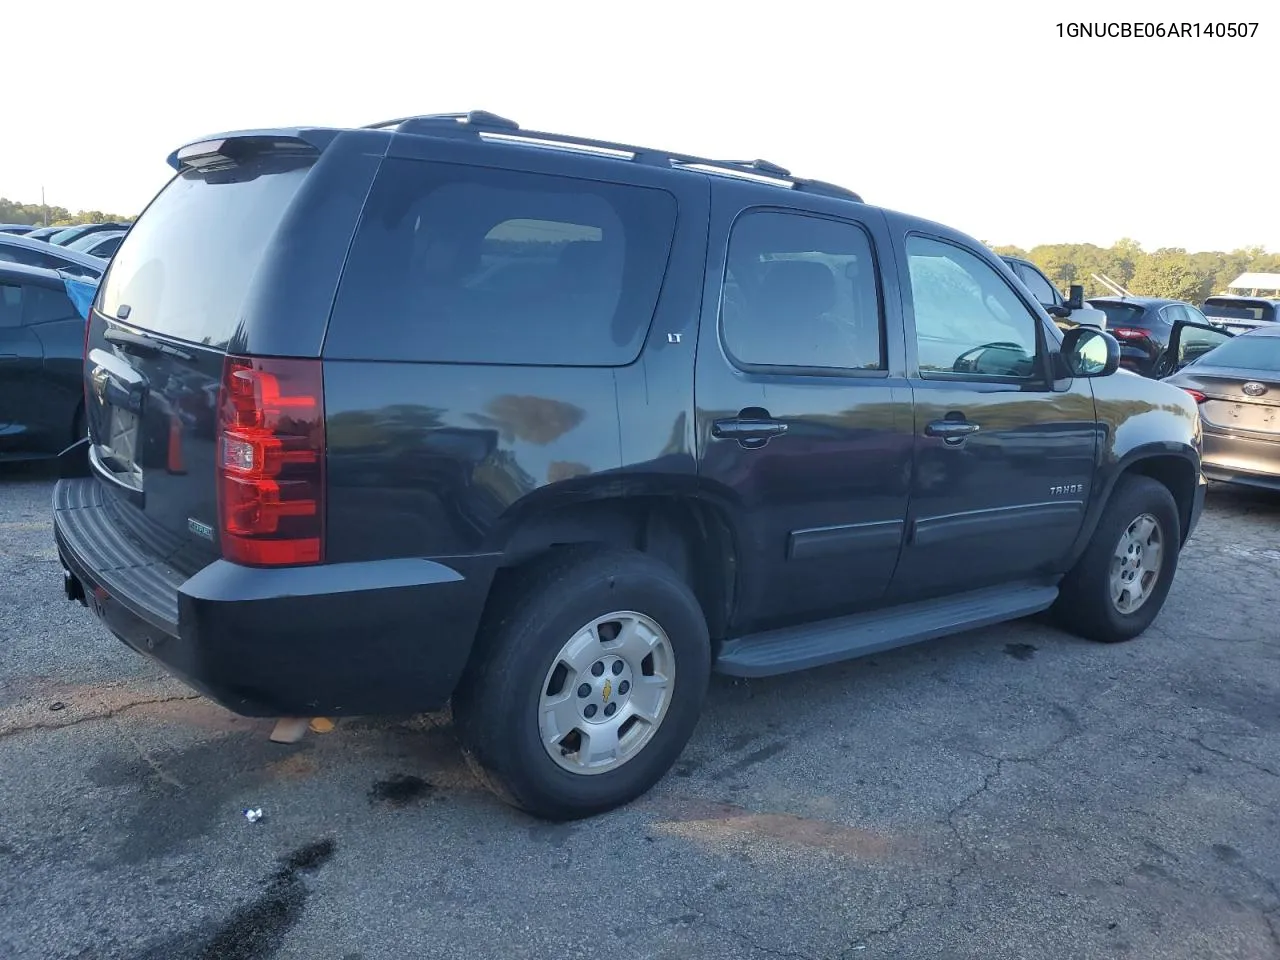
1120,583
589,675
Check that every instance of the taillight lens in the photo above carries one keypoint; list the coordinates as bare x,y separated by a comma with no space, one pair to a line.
1130,333
271,483
1196,395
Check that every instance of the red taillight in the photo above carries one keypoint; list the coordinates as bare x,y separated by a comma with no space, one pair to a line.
271,461
1196,395
1129,333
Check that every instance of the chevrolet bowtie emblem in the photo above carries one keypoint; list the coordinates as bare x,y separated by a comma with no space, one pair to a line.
607,691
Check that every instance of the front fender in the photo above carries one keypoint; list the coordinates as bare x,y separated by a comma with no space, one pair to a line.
1144,426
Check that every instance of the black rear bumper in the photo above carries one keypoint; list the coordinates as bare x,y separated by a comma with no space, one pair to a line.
385,636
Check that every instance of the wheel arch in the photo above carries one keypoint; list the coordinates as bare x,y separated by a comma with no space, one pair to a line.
1174,466
688,526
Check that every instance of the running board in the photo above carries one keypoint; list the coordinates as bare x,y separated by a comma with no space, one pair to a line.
828,641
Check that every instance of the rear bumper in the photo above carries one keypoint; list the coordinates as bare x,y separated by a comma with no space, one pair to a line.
386,636
1252,461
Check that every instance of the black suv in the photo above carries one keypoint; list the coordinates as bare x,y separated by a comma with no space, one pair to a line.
444,410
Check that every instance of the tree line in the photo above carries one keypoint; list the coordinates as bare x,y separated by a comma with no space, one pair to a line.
1167,272
11,211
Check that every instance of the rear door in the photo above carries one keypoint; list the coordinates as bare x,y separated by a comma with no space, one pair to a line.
803,411
1004,454
182,291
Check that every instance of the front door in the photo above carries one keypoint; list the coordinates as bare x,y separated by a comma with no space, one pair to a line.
804,413
1004,452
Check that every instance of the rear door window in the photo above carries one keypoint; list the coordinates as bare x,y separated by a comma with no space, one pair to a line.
479,265
45,304
10,305
800,291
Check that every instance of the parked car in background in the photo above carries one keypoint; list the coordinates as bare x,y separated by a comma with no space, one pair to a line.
1142,326
1238,313
37,253
18,229
1235,381
1068,311
101,243
41,363
44,233
74,232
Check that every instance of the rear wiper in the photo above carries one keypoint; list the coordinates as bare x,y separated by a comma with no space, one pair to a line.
144,344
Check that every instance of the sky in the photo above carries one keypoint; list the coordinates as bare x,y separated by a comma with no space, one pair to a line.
975,114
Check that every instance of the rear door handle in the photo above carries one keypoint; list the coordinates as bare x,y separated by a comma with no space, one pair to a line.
750,432
951,431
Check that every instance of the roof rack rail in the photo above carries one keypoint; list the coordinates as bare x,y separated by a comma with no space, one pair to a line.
491,127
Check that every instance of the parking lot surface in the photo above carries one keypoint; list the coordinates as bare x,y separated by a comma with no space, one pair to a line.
1013,792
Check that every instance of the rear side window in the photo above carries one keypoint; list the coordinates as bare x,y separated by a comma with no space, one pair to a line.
10,305
478,265
45,304
800,291
186,265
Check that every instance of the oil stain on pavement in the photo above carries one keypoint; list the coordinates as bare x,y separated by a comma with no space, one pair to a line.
256,930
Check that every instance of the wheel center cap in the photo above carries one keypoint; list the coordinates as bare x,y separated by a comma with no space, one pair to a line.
604,689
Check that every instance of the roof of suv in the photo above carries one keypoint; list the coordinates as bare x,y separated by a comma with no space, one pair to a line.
488,127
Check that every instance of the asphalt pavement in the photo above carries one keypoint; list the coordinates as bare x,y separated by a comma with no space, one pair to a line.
1011,793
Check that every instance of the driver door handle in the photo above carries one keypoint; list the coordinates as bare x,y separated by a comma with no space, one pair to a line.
750,432
951,431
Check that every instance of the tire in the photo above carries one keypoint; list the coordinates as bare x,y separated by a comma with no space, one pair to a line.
1085,604
520,664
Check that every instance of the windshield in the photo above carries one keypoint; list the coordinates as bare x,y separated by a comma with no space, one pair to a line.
62,236
1239,309
1120,314
1247,352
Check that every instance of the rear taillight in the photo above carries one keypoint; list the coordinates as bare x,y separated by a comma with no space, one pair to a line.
271,483
1129,333
1196,395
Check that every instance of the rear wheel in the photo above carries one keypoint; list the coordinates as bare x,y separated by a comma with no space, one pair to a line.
590,673
1120,583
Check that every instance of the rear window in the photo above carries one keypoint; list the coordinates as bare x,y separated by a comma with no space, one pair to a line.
185,267
1239,310
1250,352
1120,314
478,265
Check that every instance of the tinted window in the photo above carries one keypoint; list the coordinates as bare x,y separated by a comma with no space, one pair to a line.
186,265
1227,309
32,258
1040,288
1121,314
479,265
10,305
968,319
44,304
1251,352
800,291
107,247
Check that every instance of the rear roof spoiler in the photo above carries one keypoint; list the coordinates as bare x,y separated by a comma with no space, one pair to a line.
226,148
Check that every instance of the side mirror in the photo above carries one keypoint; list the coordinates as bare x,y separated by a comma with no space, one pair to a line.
1061,311
1075,297
1089,352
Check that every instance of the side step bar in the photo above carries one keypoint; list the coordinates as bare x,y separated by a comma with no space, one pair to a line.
828,641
